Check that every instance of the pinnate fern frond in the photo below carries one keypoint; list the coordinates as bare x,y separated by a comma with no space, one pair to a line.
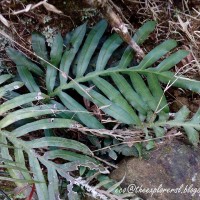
128,93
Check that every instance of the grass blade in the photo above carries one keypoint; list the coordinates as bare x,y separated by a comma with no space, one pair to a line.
192,134
16,181
4,78
141,88
106,106
63,111
10,87
171,61
5,154
179,81
116,97
68,155
20,162
39,47
28,79
139,37
69,54
89,47
182,114
55,55
196,118
38,174
53,186
128,92
20,100
110,45
157,53
59,142
84,116
26,113
144,31
21,60
49,123
56,49
157,93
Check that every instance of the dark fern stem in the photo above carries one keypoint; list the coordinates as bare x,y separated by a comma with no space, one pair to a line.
5,195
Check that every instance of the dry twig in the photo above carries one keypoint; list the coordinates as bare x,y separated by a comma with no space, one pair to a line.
107,9
29,7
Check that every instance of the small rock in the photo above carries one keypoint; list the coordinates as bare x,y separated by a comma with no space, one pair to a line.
174,165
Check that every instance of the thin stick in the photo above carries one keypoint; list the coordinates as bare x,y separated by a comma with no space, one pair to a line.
116,22
62,72
139,141
102,160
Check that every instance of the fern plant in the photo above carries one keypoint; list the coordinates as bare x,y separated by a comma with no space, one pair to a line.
81,66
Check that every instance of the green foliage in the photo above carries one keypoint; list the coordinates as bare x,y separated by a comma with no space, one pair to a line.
127,95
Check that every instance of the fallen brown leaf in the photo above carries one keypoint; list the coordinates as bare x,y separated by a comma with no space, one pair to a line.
51,8
4,20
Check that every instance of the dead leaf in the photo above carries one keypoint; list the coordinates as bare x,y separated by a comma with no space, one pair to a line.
27,9
51,8
4,20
